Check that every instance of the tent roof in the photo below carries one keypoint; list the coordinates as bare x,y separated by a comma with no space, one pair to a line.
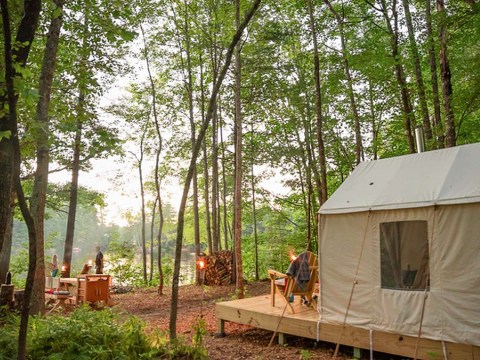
447,176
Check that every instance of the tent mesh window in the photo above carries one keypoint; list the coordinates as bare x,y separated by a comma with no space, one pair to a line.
404,255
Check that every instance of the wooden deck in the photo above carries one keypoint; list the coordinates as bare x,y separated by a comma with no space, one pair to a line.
258,312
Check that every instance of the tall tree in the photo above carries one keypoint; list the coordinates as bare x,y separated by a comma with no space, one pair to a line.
42,135
238,163
15,58
318,107
254,203
18,53
77,144
97,34
359,156
181,212
158,199
215,192
140,164
6,251
445,76
189,91
206,191
226,229
409,118
437,119
418,72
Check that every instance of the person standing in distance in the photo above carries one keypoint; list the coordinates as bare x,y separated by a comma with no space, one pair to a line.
98,261
54,265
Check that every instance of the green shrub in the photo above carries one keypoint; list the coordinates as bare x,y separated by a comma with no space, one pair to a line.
9,326
95,335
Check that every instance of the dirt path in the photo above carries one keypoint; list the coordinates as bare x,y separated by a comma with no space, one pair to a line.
241,341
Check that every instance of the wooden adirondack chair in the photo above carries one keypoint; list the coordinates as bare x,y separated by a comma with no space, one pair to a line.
295,284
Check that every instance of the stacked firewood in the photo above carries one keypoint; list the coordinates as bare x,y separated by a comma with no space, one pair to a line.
219,268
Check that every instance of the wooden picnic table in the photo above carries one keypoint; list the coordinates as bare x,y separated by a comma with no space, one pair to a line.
69,281
60,290
69,284
58,300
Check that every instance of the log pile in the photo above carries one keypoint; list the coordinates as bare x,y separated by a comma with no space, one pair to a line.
219,268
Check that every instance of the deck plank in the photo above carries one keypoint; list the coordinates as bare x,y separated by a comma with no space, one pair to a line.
258,312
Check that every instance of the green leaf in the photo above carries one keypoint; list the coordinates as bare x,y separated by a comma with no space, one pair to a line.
5,134
57,12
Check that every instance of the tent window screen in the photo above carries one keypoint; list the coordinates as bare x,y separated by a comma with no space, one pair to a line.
404,255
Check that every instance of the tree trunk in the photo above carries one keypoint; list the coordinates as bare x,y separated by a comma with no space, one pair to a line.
254,206
72,206
445,75
304,172
189,89
409,119
318,108
437,120
6,252
205,167
25,35
10,161
238,163
373,121
312,173
152,238
226,232
42,135
157,166
418,73
181,212
159,240
143,215
346,66
215,223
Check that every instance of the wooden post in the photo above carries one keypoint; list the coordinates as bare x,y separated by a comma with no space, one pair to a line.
221,328
6,295
357,353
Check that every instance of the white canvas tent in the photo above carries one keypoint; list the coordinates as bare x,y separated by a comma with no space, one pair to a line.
400,247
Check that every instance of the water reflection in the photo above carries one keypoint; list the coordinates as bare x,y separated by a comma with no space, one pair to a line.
187,268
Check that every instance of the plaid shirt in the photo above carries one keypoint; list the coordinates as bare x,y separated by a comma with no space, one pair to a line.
300,270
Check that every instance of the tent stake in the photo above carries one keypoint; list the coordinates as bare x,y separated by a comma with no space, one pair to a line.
278,325
371,344
444,348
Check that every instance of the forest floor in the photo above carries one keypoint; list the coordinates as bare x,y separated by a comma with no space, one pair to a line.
240,342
